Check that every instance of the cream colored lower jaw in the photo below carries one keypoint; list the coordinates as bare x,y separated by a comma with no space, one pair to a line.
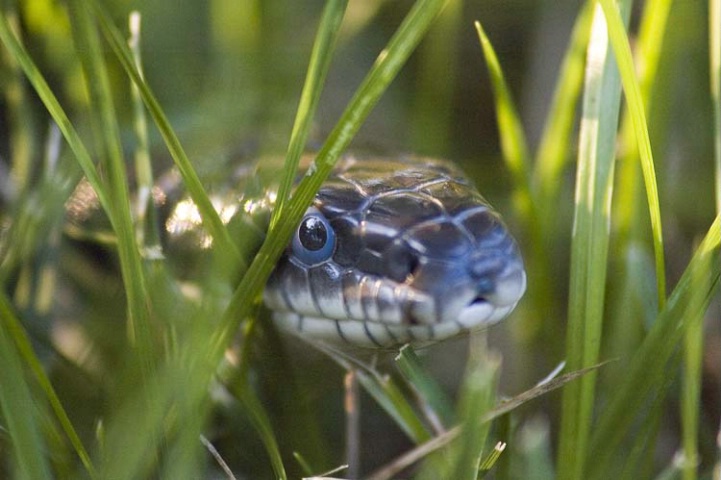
379,335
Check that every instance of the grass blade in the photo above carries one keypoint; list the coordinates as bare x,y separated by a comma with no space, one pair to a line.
477,398
552,154
513,139
390,398
21,55
622,50
714,22
649,366
25,349
410,367
515,154
589,248
432,111
211,219
691,384
315,78
98,82
20,410
242,392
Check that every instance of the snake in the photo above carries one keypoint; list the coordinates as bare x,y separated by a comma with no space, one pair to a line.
392,251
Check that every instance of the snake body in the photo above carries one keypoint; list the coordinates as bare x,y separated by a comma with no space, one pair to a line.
392,251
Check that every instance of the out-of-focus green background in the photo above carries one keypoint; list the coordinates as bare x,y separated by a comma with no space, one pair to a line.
229,74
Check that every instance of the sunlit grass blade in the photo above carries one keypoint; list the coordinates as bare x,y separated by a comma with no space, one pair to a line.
650,364
409,365
20,410
648,48
553,150
391,399
589,244
315,78
714,22
211,219
622,51
146,229
375,83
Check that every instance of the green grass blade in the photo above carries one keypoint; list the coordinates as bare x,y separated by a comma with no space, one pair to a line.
513,139
589,248
25,349
622,50
381,74
315,78
691,385
433,97
552,155
410,367
211,219
56,111
105,118
146,225
260,419
391,399
714,22
476,399
517,159
22,137
649,366
20,410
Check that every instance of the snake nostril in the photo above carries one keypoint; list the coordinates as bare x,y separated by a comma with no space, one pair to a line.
400,263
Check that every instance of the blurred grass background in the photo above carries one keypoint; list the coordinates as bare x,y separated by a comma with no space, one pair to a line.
229,74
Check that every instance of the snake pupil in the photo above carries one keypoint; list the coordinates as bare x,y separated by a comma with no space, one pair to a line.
313,234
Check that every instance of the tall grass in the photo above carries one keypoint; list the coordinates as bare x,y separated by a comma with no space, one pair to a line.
79,399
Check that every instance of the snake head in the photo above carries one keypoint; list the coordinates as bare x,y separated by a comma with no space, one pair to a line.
394,252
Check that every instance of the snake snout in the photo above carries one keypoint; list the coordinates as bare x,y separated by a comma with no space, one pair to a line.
499,277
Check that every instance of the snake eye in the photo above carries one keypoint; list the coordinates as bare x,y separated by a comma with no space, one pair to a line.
314,241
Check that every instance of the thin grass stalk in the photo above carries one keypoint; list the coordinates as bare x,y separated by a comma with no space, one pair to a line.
648,49
622,51
714,19
320,59
589,244
98,82
146,230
